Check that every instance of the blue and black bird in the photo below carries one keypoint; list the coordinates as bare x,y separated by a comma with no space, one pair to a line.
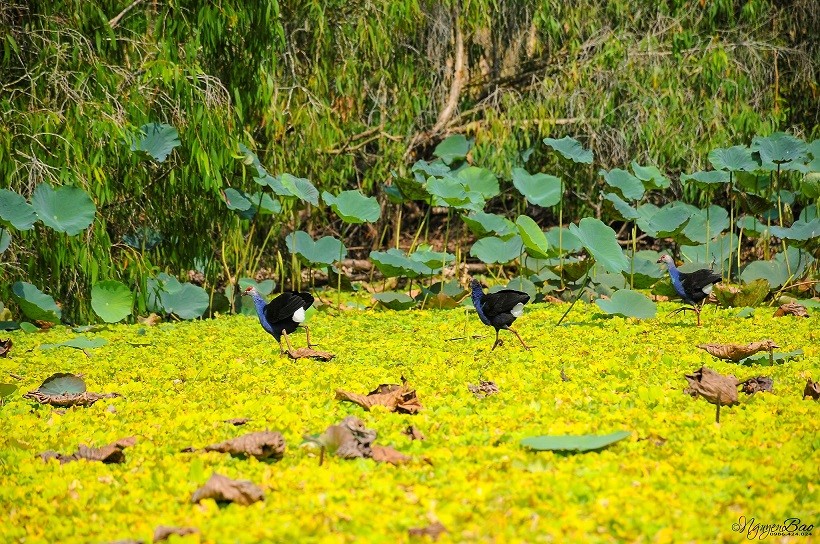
283,314
693,287
499,309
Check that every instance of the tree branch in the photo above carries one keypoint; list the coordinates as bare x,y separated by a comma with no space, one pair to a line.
116,20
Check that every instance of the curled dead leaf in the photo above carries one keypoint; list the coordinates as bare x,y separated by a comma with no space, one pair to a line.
72,399
5,347
483,389
163,532
223,489
791,308
396,398
349,438
237,421
150,320
414,433
434,530
112,453
812,390
386,454
262,445
308,353
736,352
757,384
716,388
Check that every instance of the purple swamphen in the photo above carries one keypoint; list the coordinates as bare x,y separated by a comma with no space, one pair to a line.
693,287
283,314
499,309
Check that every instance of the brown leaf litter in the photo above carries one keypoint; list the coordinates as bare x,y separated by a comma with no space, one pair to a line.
163,532
308,353
396,398
5,347
483,389
70,399
736,352
350,439
413,433
262,445
112,453
812,390
716,388
791,308
757,384
433,530
223,489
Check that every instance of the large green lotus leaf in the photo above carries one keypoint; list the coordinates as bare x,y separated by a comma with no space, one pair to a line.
720,250
78,343
539,189
576,443
644,272
699,229
651,177
301,188
601,243
263,203
751,226
518,284
799,231
563,241
325,251
492,249
432,259
394,194
62,383
35,304
156,140
394,263
630,187
766,359
623,209
813,149
481,223
775,273
571,149
5,240
533,237
705,179
479,180
798,260
809,213
665,222
413,188
65,209
453,148
748,295
188,302
736,158
449,191
779,148
395,300
628,303
6,389
237,200
15,211
111,300
810,185
353,206
422,169
265,287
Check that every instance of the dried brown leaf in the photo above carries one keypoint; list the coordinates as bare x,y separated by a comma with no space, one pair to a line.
73,399
414,433
151,320
349,439
736,352
792,308
112,453
308,353
757,384
163,532
262,445
396,398
434,530
812,390
386,454
5,347
223,489
237,421
483,389
713,386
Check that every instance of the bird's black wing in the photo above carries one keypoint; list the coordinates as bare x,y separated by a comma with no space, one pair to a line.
694,282
284,306
501,302
307,298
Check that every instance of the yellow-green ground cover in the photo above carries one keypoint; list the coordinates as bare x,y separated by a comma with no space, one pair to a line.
679,477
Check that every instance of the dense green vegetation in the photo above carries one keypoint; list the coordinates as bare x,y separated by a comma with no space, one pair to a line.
349,96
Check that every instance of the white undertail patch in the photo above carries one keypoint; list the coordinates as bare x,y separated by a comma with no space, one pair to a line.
707,289
518,310
299,315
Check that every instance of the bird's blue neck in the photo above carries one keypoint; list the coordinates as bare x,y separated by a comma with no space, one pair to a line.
260,303
674,274
476,294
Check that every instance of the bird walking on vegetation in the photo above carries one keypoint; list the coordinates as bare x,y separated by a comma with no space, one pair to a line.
499,309
282,315
693,287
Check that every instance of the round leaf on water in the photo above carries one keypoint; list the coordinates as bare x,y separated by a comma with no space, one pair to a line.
651,177
157,140
15,211
6,389
111,300
479,180
628,303
629,186
325,251
750,294
236,200
492,249
188,302
453,148
624,210
35,304
395,300
539,189
579,443
353,206
65,209
482,223
775,273
779,148
301,188
62,383
601,243
571,149
532,236
78,343
736,158
394,263
27,327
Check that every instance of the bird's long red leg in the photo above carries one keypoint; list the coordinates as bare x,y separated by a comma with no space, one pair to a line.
496,340
307,334
287,341
697,313
519,339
